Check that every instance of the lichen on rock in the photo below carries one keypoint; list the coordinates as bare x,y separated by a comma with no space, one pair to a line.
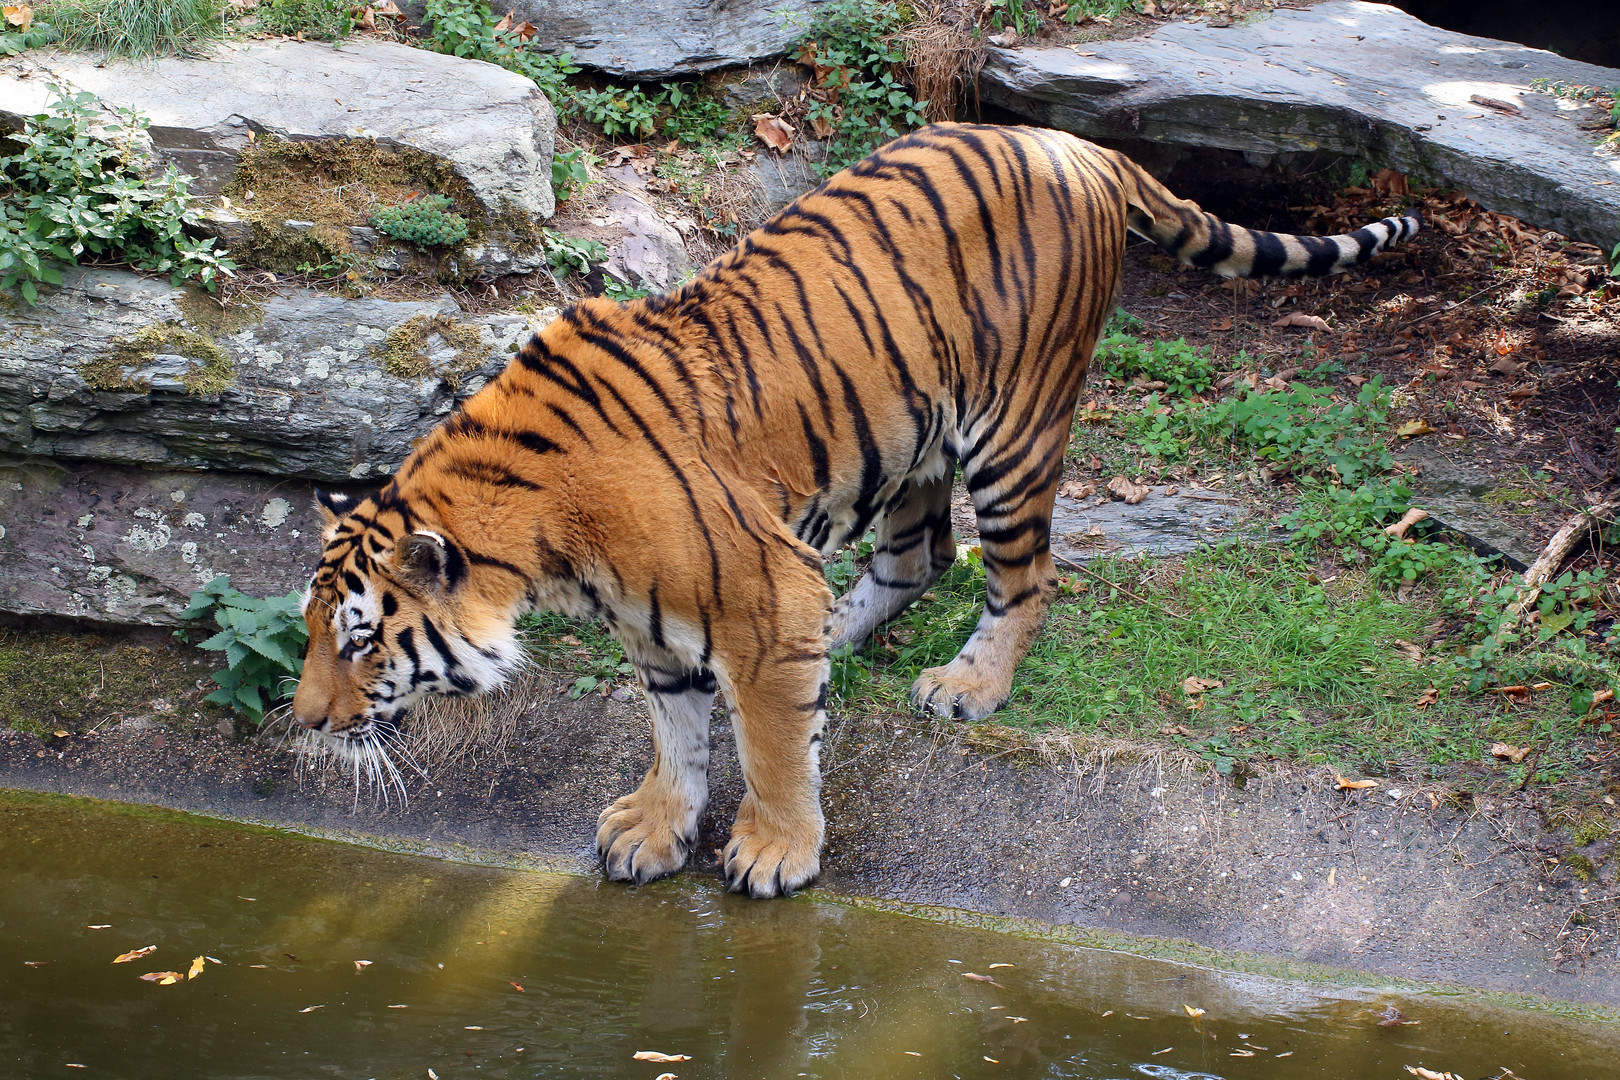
409,351
133,364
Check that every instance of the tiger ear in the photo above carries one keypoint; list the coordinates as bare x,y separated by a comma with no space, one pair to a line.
334,504
422,561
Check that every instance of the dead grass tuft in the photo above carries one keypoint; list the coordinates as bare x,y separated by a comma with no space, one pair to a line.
944,53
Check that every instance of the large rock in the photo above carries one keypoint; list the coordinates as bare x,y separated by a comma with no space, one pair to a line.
495,129
112,544
119,368
1347,77
659,39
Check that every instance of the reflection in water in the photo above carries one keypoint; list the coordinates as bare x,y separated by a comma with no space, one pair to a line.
486,973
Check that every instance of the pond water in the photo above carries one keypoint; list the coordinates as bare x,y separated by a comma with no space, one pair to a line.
338,961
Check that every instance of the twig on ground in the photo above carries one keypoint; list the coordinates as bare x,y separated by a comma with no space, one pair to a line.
1558,548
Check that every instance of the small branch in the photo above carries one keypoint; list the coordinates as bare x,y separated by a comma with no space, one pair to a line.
1557,550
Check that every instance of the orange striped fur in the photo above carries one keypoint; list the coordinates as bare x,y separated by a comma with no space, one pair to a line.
679,465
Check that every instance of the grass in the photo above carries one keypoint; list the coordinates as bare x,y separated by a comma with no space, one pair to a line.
135,29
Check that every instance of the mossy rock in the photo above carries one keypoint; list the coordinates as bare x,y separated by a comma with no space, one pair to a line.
129,365
408,352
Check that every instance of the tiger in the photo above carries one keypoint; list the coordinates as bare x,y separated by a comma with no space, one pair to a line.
677,466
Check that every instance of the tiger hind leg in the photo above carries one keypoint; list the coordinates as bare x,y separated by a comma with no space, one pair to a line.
650,832
914,547
1020,581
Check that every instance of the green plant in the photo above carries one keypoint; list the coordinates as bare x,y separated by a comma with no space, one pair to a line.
19,30
617,112
468,28
426,222
1021,16
135,28
858,100
1125,358
614,289
73,190
262,641
570,171
568,254
1075,10
317,20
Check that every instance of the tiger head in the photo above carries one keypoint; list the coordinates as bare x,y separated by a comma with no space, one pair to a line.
393,615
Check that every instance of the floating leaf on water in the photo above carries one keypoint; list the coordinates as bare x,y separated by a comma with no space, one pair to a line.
1193,1012
1019,1019
1429,1074
432,1075
661,1059
473,1027
312,1008
664,1076
1110,1012
514,986
399,1006
912,1053
163,978
1241,1053
994,966
260,966
135,954
1166,1050
976,977
361,965
196,968
211,960
1286,1053
35,963
73,1065
99,926
241,897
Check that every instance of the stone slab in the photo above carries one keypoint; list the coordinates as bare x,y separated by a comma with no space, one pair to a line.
1346,77
495,128
1161,524
113,544
309,397
662,38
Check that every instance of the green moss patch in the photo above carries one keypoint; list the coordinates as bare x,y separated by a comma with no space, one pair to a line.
214,315
58,681
407,351
336,184
212,372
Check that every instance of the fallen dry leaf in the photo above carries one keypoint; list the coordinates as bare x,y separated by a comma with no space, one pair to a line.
1500,106
163,978
1179,729
1413,428
19,15
1409,650
197,966
1342,784
774,132
1075,489
1299,318
662,1059
1128,490
1429,697
1192,685
135,954
1509,752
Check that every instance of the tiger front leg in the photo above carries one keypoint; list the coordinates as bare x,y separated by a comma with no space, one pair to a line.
775,846
649,833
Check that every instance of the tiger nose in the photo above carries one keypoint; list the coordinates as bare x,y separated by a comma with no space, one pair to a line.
307,712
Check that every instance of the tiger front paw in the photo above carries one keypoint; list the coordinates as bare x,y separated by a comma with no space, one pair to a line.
955,693
639,839
766,861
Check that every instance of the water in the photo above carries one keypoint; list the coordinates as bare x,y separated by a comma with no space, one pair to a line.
748,989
